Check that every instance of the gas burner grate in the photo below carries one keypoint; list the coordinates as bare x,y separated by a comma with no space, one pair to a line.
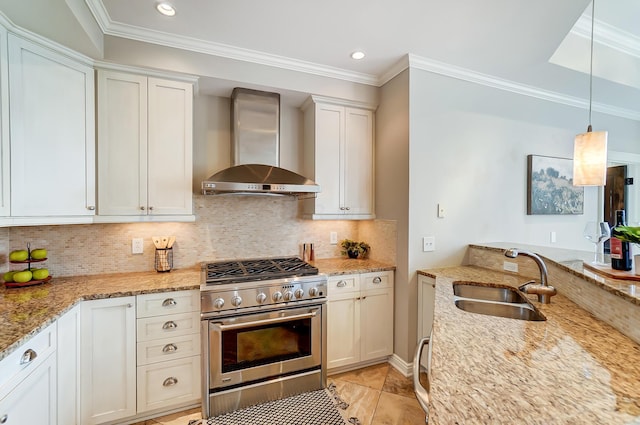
257,269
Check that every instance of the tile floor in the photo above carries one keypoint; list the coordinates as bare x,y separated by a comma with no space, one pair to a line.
377,395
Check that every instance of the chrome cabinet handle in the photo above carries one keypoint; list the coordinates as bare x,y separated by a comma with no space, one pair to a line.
341,284
4,419
377,279
169,302
90,208
169,348
129,305
170,381
347,208
28,356
169,325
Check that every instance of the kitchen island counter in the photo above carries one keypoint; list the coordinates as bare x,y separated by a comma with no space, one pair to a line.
26,311
570,369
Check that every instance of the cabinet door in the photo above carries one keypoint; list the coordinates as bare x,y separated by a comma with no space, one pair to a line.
68,355
52,133
170,147
426,305
108,360
122,144
358,162
329,132
33,401
376,311
5,192
343,330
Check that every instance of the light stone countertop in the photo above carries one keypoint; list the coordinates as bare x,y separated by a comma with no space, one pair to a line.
26,311
570,369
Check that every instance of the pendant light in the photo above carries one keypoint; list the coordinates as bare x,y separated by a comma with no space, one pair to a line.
590,148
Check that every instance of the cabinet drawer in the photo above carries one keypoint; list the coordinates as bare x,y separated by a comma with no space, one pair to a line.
343,283
149,305
376,280
168,383
150,328
160,350
17,365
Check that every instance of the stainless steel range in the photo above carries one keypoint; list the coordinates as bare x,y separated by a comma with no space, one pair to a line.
263,331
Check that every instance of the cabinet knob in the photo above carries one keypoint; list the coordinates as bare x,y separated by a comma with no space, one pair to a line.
91,208
377,279
169,302
347,208
170,381
169,325
150,208
142,208
341,284
28,356
129,305
170,348
4,419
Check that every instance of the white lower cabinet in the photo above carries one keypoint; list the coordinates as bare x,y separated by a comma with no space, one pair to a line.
68,359
168,347
359,318
108,360
28,382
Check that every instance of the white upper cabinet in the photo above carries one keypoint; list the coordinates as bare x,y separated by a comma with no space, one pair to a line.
339,145
145,142
5,177
52,135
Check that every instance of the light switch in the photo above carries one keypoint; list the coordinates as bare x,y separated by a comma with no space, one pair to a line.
440,211
333,238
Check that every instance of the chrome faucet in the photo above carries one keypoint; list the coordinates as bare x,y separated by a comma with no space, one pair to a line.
542,290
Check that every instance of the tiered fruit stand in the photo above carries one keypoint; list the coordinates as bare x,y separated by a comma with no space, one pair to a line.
28,262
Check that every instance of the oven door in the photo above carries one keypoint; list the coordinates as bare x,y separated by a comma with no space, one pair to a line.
257,346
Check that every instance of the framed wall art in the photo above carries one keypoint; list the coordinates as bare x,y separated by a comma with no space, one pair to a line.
550,188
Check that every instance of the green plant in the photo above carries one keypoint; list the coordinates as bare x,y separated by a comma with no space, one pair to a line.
354,249
627,234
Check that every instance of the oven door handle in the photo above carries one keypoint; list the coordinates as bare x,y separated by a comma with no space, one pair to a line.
233,326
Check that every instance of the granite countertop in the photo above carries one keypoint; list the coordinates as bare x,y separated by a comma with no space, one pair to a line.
26,311
573,261
342,265
570,369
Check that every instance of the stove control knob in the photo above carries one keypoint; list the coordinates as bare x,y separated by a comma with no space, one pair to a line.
299,293
288,296
218,303
261,298
236,301
313,292
277,296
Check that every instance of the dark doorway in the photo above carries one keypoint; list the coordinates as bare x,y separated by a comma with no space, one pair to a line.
614,195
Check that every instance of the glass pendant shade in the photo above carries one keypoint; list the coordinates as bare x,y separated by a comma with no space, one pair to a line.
590,159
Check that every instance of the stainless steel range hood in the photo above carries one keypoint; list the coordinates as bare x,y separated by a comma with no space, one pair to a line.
255,134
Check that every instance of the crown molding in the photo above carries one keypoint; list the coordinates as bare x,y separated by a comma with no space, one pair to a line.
607,35
459,73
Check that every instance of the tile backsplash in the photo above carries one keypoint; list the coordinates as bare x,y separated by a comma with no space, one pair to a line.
226,227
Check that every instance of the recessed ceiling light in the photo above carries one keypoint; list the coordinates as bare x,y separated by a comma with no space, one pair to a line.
357,55
166,9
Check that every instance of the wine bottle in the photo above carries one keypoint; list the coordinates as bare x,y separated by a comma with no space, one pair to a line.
620,251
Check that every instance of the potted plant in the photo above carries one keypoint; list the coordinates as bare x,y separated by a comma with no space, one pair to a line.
354,249
632,235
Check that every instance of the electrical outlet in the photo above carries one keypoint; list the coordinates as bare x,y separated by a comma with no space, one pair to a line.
137,246
333,238
428,243
510,267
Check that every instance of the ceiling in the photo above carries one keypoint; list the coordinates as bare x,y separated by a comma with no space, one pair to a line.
542,44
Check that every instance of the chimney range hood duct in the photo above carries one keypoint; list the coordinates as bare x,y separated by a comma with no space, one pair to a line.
255,135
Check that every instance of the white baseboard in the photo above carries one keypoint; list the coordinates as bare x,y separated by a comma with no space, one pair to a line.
401,366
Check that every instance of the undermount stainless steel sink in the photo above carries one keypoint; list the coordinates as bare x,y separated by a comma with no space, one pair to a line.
500,301
488,293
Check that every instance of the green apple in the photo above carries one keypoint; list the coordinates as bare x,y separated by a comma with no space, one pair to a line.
19,255
39,254
8,276
22,277
39,274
